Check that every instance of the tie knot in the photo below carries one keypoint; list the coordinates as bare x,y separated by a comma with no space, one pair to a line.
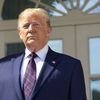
34,55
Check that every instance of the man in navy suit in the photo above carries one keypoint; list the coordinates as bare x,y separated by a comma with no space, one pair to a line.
58,76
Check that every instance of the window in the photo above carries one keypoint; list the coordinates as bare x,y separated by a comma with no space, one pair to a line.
94,50
12,48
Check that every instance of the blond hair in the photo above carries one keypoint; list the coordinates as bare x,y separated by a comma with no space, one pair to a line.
35,11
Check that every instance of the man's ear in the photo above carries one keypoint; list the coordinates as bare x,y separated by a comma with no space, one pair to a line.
49,30
20,37
18,30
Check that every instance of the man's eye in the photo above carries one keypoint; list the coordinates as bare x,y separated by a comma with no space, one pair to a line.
26,26
36,25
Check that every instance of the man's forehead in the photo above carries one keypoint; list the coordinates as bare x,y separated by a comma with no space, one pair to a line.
33,17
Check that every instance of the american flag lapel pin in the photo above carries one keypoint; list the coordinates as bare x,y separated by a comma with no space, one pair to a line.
53,62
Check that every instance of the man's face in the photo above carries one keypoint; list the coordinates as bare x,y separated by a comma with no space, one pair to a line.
34,32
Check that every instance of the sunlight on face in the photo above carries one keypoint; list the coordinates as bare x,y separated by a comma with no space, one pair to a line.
34,31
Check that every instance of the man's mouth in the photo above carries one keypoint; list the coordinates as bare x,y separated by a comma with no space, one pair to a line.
31,38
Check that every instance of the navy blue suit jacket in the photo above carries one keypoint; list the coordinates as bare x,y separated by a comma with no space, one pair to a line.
60,79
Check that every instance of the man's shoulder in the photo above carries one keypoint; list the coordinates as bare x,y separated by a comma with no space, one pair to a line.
65,56
10,57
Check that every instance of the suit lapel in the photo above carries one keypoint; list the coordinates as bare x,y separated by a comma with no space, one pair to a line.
48,67
16,73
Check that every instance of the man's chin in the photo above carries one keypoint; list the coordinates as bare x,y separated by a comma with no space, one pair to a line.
30,42
30,45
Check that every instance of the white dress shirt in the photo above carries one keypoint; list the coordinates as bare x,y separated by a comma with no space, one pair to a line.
39,60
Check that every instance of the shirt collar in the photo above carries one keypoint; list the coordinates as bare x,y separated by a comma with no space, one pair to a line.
41,53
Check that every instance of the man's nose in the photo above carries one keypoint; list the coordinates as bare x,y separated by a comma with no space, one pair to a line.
30,27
